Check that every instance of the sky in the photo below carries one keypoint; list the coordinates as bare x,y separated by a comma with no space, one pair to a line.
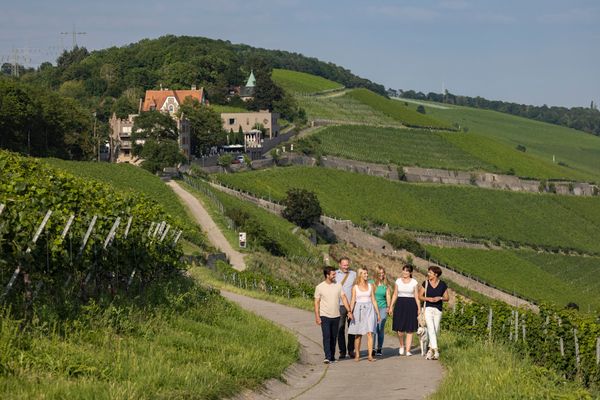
524,51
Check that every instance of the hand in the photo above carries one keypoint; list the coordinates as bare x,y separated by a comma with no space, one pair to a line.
390,312
378,318
439,298
350,316
318,320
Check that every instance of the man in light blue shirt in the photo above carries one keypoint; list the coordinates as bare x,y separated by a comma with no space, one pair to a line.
346,278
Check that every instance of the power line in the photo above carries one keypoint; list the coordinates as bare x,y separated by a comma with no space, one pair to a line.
74,35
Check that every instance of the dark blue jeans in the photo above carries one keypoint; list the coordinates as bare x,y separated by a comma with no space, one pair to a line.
329,328
344,322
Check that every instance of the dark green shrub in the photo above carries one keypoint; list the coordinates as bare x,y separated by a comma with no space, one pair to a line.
401,241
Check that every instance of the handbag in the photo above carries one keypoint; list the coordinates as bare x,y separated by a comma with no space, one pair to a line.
421,316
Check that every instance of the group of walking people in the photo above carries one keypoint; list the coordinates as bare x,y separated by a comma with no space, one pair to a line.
350,305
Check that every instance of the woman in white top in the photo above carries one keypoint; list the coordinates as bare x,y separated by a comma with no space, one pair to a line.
406,307
364,308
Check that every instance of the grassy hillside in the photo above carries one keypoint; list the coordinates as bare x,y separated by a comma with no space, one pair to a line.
397,110
578,150
300,82
538,219
343,108
555,278
128,177
408,147
276,229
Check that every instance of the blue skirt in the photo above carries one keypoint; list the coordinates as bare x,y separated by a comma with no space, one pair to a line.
405,315
364,319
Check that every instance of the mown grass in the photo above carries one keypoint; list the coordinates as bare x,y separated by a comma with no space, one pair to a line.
579,150
550,278
185,342
396,110
480,370
127,177
407,147
300,82
288,236
538,219
506,158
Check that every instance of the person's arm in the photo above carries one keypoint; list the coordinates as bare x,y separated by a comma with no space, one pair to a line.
445,296
375,302
422,293
394,298
317,310
345,303
388,296
416,294
353,301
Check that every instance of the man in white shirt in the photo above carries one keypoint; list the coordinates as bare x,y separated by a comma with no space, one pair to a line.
346,278
328,295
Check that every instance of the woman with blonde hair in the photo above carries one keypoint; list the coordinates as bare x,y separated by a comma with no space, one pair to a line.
364,308
383,298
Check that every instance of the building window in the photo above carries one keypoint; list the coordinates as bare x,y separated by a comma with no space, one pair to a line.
171,108
231,121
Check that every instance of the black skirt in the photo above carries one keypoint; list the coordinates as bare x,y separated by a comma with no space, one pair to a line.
405,315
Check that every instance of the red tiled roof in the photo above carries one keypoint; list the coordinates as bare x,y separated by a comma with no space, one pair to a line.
156,98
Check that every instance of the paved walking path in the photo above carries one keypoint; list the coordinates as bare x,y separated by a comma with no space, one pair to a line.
390,377
236,259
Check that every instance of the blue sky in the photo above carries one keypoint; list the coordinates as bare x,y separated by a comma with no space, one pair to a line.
527,51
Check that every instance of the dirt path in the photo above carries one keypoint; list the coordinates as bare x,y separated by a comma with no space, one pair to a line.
390,377
236,259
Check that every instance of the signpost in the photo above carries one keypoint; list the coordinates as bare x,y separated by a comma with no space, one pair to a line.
242,237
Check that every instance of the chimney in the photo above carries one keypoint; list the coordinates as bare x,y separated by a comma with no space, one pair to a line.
193,87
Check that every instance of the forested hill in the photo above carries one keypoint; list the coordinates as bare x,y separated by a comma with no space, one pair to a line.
586,119
177,62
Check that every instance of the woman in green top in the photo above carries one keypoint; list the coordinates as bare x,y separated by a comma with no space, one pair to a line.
382,296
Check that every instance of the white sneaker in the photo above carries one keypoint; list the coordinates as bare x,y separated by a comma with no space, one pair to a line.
436,356
408,354
401,351
429,354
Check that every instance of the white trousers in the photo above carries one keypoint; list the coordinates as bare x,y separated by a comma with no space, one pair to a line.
433,317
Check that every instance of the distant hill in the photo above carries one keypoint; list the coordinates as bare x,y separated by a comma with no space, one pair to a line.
580,118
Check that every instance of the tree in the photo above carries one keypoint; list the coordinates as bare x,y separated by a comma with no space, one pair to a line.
206,126
155,125
302,207
160,155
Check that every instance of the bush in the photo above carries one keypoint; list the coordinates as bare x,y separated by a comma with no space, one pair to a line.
421,109
225,160
302,207
522,148
401,241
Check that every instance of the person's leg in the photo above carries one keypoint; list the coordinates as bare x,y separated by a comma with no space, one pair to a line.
437,318
370,345
357,339
351,343
333,333
431,332
381,329
401,342
342,331
326,331
409,336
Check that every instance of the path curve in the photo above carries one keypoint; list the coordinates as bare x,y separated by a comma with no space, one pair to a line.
236,259
390,377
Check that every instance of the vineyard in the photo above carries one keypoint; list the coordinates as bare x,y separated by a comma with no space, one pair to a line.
546,220
553,278
300,82
130,179
407,147
397,110
579,151
343,108
63,238
560,340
